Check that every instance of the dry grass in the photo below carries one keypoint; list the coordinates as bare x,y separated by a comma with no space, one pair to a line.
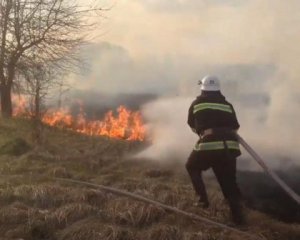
41,196
60,172
70,213
15,213
156,173
93,229
95,198
34,207
126,212
19,220
165,232
173,195
270,228
48,196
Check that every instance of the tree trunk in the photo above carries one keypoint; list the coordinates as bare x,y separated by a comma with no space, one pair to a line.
6,103
37,101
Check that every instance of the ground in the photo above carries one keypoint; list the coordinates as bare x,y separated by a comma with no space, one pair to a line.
33,205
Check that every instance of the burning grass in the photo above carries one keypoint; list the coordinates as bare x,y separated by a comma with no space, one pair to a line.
122,123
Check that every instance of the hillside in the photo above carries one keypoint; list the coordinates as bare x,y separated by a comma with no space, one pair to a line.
33,205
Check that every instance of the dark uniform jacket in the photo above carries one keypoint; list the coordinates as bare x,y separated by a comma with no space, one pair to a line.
210,110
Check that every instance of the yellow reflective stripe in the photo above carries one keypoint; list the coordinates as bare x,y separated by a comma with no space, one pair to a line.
218,145
233,145
209,146
214,106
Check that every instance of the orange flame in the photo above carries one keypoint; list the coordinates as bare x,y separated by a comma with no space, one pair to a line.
20,104
126,125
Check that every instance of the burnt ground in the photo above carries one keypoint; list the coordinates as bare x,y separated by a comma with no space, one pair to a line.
262,193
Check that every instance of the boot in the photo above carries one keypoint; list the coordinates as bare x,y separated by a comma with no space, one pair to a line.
237,212
238,217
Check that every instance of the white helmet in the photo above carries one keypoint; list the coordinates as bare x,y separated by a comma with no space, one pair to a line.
210,83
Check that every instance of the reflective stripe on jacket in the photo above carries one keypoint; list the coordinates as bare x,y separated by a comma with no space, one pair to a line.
214,106
217,145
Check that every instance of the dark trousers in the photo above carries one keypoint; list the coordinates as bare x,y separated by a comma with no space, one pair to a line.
224,168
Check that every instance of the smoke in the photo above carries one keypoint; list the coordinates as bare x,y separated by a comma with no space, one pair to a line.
165,47
261,35
97,104
269,122
171,140
265,122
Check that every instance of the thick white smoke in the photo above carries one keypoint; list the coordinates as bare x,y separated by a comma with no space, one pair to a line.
269,127
163,48
260,32
171,138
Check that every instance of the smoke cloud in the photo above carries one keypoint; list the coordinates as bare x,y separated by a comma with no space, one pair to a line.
267,103
172,140
165,47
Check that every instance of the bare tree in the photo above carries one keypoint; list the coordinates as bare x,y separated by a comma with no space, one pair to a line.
37,82
52,28
62,89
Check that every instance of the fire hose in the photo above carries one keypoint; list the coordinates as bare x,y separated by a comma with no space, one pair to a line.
269,171
159,204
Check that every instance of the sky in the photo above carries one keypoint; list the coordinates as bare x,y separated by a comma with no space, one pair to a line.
166,46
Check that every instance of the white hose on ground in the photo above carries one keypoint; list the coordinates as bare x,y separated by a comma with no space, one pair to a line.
269,171
166,207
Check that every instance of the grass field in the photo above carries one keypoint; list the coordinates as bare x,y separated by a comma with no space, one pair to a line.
34,206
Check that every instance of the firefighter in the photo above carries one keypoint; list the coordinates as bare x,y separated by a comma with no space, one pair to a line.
214,120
